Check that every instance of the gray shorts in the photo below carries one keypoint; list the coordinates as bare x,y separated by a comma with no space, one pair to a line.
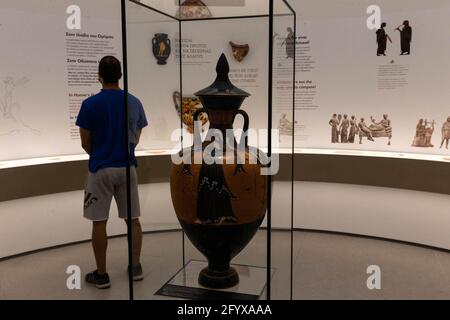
105,184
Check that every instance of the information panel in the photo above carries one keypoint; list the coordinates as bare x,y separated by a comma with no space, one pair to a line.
48,66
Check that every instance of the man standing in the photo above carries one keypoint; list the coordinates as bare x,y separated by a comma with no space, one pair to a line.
405,38
382,38
102,123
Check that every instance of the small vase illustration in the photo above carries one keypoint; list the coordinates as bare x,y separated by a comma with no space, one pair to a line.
161,48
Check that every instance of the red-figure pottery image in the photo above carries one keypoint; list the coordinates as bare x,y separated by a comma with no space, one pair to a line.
220,205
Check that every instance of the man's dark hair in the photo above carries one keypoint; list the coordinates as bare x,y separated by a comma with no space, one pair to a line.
110,69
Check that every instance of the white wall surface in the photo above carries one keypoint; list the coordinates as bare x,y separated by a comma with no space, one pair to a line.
419,217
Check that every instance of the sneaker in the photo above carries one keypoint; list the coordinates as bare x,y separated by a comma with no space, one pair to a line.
100,281
138,275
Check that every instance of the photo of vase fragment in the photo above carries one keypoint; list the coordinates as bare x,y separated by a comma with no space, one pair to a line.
382,39
405,37
240,51
220,204
424,133
445,133
186,109
161,48
194,9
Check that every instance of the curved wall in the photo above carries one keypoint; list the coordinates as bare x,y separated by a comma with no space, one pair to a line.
41,206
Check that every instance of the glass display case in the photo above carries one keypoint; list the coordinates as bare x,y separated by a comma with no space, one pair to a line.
216,81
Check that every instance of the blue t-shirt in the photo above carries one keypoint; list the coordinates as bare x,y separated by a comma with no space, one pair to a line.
104,116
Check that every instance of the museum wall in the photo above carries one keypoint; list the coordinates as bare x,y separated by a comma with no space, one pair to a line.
412,216
347,183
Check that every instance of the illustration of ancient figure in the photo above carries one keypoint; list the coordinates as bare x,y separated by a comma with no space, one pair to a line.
353,130
10,85
286,127
334,123
10,116
364,131
405,37
290,43
344,129
382,129
186,108
446,133
424,133
382,38
428,135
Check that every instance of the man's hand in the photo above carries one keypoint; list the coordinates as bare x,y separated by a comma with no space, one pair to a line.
86,140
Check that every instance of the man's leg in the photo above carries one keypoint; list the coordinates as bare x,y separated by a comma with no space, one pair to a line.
136,232
100,244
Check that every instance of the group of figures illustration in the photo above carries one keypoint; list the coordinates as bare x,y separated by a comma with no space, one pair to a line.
10,116
345,129
405,38
424,134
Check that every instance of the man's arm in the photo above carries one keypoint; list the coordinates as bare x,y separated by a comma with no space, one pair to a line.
138,135
86,140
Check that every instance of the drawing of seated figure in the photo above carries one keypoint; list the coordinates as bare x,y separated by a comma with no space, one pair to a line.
10,115
364,131
382,129
285,126
424,133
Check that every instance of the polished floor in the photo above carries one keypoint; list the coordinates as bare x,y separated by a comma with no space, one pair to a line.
326,266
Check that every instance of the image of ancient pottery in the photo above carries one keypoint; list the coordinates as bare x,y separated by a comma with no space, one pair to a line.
161,48
186,109
240,51
194,9
220,204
